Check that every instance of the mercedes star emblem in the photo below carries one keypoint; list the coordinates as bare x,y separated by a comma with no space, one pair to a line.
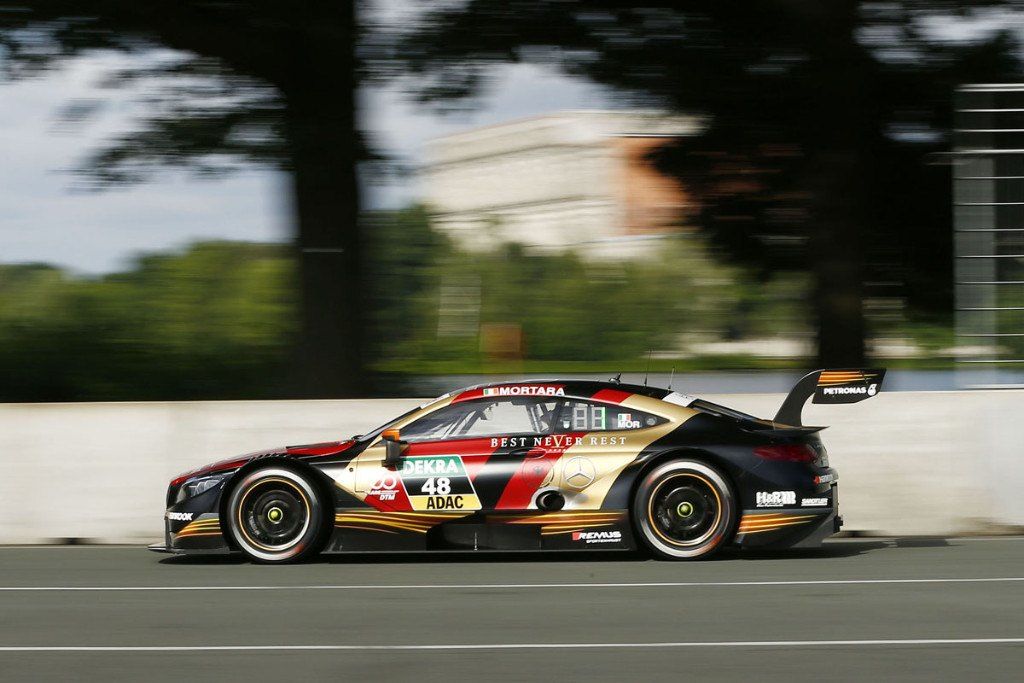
579,473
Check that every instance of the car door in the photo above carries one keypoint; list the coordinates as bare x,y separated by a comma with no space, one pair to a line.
479,454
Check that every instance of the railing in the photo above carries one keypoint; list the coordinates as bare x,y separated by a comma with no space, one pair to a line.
988,208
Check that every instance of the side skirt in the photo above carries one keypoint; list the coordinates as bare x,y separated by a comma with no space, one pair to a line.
362,530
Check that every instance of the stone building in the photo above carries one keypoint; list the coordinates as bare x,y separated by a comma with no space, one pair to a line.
577,180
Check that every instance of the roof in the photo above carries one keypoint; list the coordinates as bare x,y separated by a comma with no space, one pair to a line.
584,388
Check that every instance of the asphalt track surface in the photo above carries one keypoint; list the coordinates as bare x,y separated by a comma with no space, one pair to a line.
908,609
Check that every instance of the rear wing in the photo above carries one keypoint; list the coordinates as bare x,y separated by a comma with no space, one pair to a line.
829,386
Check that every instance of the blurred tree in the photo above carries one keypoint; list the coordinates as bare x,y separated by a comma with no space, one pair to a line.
404,250
567,309
213,322
250,80
820,119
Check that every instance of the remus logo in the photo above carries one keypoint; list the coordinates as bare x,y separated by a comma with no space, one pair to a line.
597,536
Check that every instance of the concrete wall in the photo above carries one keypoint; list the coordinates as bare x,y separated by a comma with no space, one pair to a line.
910,463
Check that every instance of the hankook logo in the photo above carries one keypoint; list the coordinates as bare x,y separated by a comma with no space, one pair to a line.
579,473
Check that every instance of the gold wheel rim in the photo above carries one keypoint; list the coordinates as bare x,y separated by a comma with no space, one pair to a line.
241,506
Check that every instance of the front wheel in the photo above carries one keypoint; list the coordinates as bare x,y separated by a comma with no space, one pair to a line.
684,509
275,515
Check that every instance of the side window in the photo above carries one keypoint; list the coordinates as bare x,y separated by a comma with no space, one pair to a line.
482,418
590,416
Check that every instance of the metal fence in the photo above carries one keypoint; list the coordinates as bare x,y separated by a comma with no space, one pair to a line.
988,197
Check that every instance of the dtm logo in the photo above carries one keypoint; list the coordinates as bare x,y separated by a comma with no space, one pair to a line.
180,516
384,488
775,499
597,536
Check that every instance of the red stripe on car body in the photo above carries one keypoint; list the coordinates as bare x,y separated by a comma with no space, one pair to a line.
468,395
223,465
536,466
611,395
320,449
514,389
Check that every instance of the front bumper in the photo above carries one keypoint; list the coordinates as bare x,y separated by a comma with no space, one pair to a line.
203,534
193,525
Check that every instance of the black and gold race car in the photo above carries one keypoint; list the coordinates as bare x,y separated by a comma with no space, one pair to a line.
532,465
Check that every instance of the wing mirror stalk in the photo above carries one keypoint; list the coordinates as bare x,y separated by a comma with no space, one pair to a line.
394,448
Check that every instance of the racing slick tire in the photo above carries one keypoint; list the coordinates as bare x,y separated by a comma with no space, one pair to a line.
275,515
684,510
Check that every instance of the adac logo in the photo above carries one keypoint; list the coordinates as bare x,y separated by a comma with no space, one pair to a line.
579,472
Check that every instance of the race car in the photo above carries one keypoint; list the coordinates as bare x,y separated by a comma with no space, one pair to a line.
541,464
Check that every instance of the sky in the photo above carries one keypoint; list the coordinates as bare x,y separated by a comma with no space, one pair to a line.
46,217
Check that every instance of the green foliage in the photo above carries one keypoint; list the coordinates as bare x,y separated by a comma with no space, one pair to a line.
218,320
402,250
434,301
214,322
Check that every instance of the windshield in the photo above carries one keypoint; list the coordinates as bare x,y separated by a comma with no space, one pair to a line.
374,433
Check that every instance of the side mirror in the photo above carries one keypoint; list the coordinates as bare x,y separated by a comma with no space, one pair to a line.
394,447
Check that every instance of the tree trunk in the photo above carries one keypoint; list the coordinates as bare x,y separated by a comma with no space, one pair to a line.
837,255
320,120
838,127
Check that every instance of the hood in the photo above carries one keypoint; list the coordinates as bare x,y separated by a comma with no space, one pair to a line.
305,452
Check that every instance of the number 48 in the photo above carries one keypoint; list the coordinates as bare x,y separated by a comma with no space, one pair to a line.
441,487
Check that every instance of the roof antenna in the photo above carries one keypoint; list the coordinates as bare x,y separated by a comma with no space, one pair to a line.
648,370
671,377
617,379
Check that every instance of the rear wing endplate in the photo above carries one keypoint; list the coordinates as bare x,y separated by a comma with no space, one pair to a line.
829,386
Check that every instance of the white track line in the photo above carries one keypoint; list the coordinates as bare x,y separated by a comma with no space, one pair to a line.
512,586
842,539
518,646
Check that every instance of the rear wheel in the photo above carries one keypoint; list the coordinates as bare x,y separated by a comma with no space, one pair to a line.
684,509
275,515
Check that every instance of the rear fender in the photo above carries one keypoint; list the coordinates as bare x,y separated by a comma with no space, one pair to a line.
642,467
724,467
